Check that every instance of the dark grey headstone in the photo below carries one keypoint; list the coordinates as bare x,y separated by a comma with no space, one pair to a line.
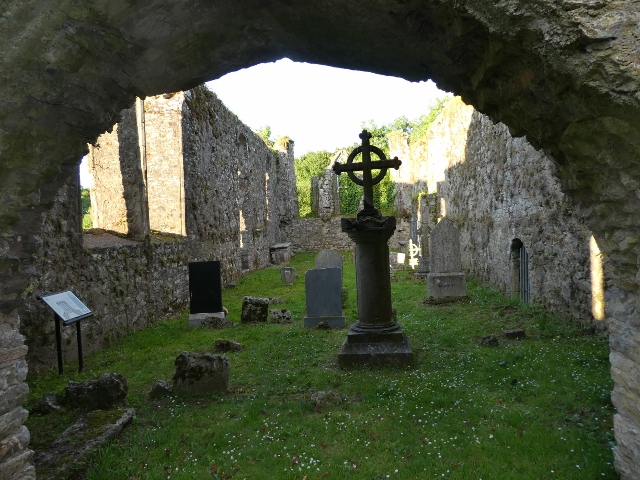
205,287
328,259
324,297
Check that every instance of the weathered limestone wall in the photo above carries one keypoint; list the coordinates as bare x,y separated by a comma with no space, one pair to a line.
325,199
498,189
120,195
315,234
203,167
410,178
565,73
164,146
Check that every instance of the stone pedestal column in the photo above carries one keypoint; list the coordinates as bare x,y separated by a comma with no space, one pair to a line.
376,338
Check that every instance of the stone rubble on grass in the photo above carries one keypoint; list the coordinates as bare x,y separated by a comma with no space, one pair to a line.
89,433
200,373
160,389
322,400
46,404
514,334
222,346
489,341
216,322
105,393
280,315
254,310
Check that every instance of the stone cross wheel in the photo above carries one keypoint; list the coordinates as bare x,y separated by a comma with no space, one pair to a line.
366,167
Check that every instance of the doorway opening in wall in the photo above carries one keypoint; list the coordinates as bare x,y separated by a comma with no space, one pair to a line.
520,284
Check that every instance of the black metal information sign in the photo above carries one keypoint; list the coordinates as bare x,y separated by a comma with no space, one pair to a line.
67,309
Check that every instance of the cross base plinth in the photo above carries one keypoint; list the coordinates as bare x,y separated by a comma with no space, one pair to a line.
375,353
376,338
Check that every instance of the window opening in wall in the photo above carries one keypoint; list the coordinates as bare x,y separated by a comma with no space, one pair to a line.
85,194
597,280
525,286
520,284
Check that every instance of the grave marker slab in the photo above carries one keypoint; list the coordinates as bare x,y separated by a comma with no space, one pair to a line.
287,275
205,291
280,253
328,259
324,297
445,280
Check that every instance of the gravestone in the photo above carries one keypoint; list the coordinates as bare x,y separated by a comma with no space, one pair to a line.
280,253
205,292
287,275
328,259
324,297
445,281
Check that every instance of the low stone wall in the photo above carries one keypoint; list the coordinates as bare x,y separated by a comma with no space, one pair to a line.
315,234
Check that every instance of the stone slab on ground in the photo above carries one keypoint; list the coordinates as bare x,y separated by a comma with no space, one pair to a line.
516,333
76,443
331,322
199,319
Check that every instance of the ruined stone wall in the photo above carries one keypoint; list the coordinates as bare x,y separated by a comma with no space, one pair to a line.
203,168
237,189
315,234
325,199
164,144
497,189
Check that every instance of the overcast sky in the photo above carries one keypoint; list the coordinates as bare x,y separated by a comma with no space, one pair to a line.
318,107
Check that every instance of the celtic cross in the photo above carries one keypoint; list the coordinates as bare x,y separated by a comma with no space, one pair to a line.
366,166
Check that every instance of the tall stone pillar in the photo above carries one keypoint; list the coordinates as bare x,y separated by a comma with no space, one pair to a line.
376,338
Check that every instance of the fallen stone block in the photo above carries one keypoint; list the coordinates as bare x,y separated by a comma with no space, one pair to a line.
200,373
254,310
280,315
222,346
514,334
105,393
489,341
160,389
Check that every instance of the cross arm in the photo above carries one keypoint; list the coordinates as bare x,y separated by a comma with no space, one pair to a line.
338,168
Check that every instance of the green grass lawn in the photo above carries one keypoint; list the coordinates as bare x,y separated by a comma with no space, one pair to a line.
536,408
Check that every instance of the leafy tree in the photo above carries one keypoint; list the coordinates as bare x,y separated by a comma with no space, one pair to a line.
85,201
265,133
311,164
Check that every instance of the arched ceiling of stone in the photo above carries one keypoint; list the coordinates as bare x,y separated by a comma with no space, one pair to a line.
563,72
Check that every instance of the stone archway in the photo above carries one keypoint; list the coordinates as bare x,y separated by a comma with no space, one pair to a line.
565,73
